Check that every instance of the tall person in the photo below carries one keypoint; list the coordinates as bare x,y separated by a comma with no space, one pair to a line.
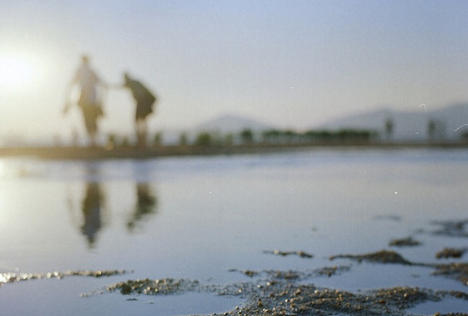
90,101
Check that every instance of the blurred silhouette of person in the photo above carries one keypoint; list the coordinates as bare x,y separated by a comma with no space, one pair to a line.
146,205
92,206
389,129
90,101
145,101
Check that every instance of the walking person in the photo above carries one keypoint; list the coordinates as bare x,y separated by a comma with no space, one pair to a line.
145,101
90,101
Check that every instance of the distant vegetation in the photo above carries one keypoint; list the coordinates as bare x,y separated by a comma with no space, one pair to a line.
250,137
277,137
314,136
435,133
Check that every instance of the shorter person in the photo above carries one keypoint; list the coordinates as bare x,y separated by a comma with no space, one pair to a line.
144,106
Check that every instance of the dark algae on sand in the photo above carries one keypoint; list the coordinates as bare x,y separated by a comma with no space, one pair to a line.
277,292
274,292
285,293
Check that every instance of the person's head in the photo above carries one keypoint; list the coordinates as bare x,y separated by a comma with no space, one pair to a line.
84,59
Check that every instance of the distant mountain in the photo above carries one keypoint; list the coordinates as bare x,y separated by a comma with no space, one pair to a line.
413,125
231,123
451,122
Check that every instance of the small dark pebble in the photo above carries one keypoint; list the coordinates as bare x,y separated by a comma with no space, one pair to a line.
250,273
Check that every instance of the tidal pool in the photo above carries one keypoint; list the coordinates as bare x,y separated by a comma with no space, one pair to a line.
215,219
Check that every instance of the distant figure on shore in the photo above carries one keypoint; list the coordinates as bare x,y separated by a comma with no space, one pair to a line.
389,129
145,101
90,101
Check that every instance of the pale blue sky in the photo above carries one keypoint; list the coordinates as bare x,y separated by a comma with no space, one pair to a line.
292,63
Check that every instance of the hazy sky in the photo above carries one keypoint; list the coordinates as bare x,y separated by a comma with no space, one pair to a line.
292,63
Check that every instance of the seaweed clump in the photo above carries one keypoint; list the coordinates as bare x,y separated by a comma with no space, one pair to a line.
155,287
282,293
457,271
404,242
291,299
298,253
451,253
383,256
283,296
17,277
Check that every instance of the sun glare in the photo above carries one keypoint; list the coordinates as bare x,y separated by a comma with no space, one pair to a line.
15,71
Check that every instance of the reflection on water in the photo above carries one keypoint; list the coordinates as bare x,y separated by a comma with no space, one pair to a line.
92,209
145,207
94,213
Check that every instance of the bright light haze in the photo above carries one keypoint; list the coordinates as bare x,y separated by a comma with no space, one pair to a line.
295,64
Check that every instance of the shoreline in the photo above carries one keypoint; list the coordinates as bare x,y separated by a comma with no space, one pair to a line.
132,152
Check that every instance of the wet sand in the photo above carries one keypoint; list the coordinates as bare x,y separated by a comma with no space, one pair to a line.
95,153
275,292
295,292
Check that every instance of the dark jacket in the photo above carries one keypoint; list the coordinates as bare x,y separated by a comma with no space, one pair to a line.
143,97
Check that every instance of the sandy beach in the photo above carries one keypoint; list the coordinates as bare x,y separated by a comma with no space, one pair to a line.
130,152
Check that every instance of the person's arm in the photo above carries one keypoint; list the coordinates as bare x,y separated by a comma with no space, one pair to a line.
115,86
112,86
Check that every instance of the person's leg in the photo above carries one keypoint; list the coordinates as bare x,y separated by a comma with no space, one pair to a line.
91,127
92,138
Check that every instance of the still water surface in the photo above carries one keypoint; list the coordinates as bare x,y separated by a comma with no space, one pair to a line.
200,217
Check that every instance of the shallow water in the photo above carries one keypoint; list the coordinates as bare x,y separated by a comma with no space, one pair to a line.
201,217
